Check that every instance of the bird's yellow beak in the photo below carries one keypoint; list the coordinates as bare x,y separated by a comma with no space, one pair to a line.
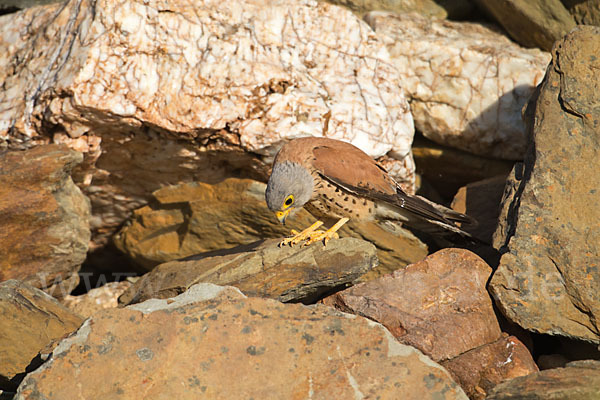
282,215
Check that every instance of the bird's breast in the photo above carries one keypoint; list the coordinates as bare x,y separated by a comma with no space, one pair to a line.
330,201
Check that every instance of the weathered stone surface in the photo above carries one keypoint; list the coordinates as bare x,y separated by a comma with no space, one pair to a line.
585,12
190,219
481,200
449,169
427,8
549,277
45,218
531,23
263,269
579,381
467,83
211,342
439,305
31,319
96,299
8,6
479,370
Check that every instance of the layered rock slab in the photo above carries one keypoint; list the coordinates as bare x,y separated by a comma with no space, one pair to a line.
213,342
45,229
263,269
467,83
548,280
31,320
190,219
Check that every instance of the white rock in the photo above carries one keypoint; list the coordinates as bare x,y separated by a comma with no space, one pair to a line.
467,83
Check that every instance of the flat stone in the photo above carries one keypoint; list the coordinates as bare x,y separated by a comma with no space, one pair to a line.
263,269
181,222
96,299
439,305
31,320
548,280
212,342
45,218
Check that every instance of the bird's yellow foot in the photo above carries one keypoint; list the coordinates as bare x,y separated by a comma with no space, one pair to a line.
301,236
330,233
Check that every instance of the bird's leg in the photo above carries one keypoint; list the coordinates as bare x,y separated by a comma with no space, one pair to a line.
328,234
300,236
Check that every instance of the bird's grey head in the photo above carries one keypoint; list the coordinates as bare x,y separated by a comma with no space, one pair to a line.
289,188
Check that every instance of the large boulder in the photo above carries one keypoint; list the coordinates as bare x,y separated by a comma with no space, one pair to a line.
45,229
31,320
263,269
213,342
154,92
548,280
467,83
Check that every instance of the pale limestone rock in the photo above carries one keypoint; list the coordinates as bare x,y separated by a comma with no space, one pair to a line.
144,89
468,83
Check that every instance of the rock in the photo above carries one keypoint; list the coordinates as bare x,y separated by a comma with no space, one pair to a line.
438,305
211,342
467,83
579,381
481,200
263,269
585,12
96,299
181,222
10,6
548,280
479,370
531,23
449,169
45,219
31,320
245,79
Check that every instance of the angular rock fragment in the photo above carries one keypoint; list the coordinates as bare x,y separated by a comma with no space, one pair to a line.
212,342
467,83
263,269
45,231
548,280
30,321
438,305
96,299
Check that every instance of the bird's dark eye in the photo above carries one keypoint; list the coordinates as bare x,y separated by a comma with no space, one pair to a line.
288,200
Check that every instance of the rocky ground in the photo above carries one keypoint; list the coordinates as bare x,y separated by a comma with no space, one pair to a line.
138,258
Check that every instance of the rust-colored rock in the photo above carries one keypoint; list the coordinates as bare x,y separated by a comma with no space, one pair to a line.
438,305
479,370
211,342
263,269
45,218
30,320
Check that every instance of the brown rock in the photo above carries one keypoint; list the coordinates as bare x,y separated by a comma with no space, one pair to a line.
548,280
263,269
211,342
481,200
45,219
532,23
96,299
585,12
438,305
580,380
31,320
479,370
427,8
182,221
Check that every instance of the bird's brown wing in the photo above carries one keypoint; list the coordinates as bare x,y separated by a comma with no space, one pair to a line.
347,166
354,171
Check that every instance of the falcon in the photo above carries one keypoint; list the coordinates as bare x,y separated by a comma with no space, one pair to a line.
336,180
